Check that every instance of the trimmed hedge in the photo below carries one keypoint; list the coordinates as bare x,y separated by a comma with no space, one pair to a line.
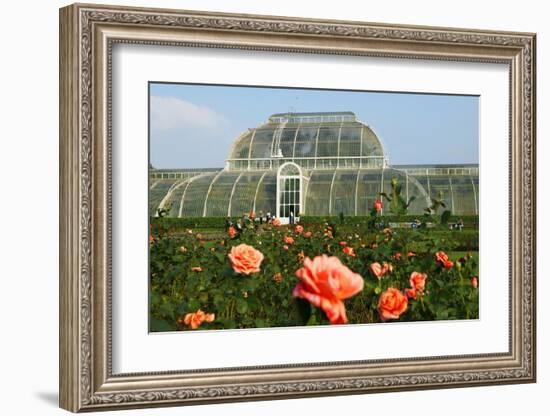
469,220
175,224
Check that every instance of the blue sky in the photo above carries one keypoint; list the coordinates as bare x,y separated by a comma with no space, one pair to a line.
193,126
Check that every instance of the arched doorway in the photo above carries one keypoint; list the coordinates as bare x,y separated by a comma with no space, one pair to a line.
289,192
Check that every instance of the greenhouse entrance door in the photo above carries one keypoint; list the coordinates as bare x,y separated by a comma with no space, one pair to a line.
289,186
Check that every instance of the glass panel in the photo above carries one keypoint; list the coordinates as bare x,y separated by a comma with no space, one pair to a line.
318,193
261,146
368,190
305,142
343,193
220,195
193,202
328,141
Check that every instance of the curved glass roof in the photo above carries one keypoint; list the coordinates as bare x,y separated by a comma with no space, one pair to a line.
303,136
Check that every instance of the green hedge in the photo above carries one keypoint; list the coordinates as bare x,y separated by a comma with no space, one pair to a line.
190,222
469,220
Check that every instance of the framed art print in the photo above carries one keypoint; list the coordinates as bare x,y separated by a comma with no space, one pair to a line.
259,207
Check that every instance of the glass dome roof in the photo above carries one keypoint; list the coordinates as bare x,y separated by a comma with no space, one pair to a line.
331,139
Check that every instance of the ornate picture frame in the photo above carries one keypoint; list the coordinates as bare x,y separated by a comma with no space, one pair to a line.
87,36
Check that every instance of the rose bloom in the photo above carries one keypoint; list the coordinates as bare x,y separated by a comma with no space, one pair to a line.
196,269
278,277
378,205
474,282
231,232
377,270
397,256
252,214
411,254
325,282
380,270
410,293
392,304
289,240
343,243
245,259
276,222
299,229
195,319
349,251
442,258
285,247
418,281
307,234
183,249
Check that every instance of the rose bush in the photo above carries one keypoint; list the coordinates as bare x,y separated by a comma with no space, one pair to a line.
275,275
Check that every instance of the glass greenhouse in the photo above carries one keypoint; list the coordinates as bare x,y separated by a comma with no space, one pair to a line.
309,164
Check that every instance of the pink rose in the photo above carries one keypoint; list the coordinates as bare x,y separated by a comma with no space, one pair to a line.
418,281
325,282
245,259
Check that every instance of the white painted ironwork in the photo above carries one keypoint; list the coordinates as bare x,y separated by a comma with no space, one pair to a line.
208,192
232,192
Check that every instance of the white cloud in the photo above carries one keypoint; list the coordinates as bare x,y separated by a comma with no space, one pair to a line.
170,113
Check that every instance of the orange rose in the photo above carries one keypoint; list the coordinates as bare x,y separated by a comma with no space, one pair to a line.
299,229
195,319
418,281
410,293
392,304
349,251
231,232
276,222
196,269
325,282
442,258
289,240
411,254
245,259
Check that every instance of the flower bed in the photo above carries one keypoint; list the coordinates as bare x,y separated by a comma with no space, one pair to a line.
273,276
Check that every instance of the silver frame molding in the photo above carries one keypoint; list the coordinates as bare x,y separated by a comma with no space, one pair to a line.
87,35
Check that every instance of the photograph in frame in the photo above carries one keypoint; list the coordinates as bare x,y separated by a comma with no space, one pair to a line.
261,218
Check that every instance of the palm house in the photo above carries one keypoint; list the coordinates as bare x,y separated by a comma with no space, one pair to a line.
308,164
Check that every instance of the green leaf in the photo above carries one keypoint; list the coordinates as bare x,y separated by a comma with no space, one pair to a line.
242,306
445,217
304,310
159,325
